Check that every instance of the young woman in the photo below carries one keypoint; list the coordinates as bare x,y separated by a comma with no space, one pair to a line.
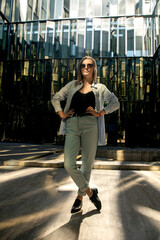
83,124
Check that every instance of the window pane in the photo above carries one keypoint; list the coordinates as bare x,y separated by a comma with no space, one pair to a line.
42,40
82,8
139,35
80,29
27,36
51,9
66,9
113,37
20,38
57,42
89,8
44,9
49,41
73,38
65,30
97,31
34,40
97,8
89,37
130,37
105,7
105,36
122,7
147,37
113,7
122,36
73,8
58,12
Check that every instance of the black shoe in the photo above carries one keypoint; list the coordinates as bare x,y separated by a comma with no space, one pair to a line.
95,199
77,205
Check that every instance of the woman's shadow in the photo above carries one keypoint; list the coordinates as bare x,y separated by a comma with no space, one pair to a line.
71,229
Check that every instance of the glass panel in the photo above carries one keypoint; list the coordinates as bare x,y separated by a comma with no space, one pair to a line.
113,36
57,42
147,37
20,37
42,34
97,31
27,35
15,11
147,6
51,9
113,75
138,23
73,29
130,37
122,36
122,7
82,8
23,9
80,29
49,42
105,37
89,8
8,8
130,73
113,7
97,8
66,9
73,8
130,6
29,12
63,72
44,9
58,12
36,9
105,7
65,30
138,7
88,50
34,42
105,72
13,35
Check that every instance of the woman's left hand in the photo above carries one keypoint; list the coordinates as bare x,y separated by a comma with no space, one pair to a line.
92,111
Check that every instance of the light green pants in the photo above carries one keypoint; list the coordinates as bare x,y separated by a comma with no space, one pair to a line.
81,132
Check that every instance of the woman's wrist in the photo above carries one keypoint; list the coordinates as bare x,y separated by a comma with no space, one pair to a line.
101,113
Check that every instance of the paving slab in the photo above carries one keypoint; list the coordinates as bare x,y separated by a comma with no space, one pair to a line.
35,204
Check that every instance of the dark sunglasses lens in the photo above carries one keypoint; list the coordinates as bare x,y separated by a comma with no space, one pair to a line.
88,65
82,65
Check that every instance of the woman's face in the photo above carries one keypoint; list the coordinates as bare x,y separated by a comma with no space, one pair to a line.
87,68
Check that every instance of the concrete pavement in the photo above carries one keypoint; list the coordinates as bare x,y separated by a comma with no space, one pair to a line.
35,204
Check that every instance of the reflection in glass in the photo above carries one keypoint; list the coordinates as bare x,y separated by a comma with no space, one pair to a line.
65,29
36,9
82,8
113,7
44,9
42,34
57,41
20,37
49,41
73,8
97,31
122,36
58,10
105,37
51,9
73,29
34,42
130,37
113,37
27,35
147,37
88,37
105,7
138,24
80,29
66,9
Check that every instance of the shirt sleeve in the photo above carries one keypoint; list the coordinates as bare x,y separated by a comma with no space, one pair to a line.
112,101
60,96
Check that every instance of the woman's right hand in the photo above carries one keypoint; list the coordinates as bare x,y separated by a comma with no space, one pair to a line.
66,115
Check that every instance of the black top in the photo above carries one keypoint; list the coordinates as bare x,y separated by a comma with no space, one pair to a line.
81,101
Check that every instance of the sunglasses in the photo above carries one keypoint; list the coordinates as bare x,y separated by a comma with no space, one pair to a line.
88,65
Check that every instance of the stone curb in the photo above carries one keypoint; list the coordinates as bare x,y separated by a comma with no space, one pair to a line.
103,165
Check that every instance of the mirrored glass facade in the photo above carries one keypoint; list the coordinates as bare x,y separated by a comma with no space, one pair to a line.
41,43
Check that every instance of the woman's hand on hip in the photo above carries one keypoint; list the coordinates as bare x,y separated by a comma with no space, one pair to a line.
66,115
92,111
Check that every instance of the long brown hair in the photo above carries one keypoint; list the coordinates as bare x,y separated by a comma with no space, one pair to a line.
79,74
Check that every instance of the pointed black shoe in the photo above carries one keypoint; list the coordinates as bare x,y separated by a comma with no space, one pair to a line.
77,205
95,199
